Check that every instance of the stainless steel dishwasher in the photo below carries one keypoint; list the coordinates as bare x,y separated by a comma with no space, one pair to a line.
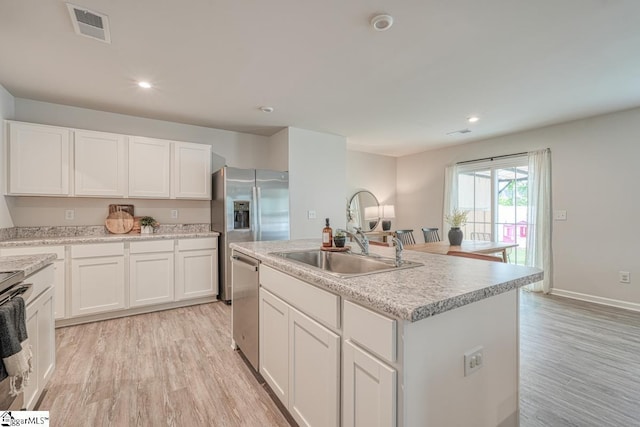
245,305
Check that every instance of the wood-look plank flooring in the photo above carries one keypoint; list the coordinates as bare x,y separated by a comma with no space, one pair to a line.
579,366
579,363
169,368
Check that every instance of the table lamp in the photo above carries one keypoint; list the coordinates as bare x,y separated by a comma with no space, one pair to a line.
388,212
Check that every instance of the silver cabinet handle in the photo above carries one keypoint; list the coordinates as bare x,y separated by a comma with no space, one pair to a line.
244,263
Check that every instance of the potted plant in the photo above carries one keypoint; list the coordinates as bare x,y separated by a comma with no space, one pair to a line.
339,239
147,224
456,219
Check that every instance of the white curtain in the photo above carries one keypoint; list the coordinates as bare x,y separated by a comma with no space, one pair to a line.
540,218
450,194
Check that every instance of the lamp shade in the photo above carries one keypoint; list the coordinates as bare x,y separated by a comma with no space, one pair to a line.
388,211
371,212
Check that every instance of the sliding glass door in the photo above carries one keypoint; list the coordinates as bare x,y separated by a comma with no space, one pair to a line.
495,194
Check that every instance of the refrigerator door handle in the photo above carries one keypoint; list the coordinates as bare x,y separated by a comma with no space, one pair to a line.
254,215
259,212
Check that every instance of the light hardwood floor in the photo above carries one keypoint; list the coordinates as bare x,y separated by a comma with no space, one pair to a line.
579,366
170,368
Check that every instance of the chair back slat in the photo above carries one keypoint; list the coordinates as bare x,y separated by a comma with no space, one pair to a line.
406,237
431,235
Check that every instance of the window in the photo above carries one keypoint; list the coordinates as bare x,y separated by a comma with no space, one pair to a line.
495,194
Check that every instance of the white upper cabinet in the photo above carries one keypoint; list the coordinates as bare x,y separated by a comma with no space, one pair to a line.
38,159
100,164
149,167
191,171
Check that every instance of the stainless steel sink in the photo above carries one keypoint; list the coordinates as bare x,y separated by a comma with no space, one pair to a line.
343,264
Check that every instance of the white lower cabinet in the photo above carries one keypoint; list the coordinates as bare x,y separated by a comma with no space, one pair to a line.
151,273
274,344
369,389
197,268
40,329
97,278
314,372
300,360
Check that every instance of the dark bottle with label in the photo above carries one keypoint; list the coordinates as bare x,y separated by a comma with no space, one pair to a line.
327,235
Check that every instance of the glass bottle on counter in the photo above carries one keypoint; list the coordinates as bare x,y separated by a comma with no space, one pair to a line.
327,235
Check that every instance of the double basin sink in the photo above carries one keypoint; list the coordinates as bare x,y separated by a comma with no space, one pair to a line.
345,264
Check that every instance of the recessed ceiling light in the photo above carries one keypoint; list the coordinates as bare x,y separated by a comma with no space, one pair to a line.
473,119
267,109
144,85
382,22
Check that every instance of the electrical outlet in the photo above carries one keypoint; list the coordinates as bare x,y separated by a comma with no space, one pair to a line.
311,214
473,360
625,276
174,213
69,214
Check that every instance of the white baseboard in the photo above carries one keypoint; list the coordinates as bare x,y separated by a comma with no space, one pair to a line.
596,299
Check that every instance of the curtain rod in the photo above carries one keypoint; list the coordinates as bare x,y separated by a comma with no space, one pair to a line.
492,158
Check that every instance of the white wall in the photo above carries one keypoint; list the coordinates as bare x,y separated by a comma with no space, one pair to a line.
231,148
6,112
317,163
373,172
595,179
279,150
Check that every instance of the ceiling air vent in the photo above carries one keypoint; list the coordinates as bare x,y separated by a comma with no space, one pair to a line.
89,23
459,131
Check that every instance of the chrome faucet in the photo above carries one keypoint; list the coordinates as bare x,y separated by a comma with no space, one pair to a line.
362,242
399,247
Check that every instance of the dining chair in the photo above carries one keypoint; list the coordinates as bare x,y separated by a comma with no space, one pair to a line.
475,256
406,237
480,236
430,235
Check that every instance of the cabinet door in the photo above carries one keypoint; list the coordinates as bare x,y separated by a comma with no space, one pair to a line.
38,159
97,285
149,167
40,328
197,274
151,278
369,390
191,171
274,344
100,161
314,372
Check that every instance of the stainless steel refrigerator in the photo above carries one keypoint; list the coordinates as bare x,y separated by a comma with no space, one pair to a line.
247,205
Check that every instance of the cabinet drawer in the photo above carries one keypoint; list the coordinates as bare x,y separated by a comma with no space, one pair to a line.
97,250
371,330
41,280
151,246
315,302
34,250
196,244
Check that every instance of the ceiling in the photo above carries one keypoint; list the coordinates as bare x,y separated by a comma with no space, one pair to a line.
515,64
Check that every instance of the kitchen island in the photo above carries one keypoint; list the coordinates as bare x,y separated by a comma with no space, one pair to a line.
434,345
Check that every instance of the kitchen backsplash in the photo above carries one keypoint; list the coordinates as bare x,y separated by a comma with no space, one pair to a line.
89,230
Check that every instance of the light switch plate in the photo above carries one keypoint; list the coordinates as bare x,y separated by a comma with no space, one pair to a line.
311,214
560,215
69,214
174,213
473,360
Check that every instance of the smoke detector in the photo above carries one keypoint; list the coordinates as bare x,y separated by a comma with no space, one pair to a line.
382,22
89,23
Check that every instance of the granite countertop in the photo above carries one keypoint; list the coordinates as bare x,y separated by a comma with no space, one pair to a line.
26,263
442,284
74,240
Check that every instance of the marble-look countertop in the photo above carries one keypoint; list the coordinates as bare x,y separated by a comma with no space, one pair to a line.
442,284
26,263
76,240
